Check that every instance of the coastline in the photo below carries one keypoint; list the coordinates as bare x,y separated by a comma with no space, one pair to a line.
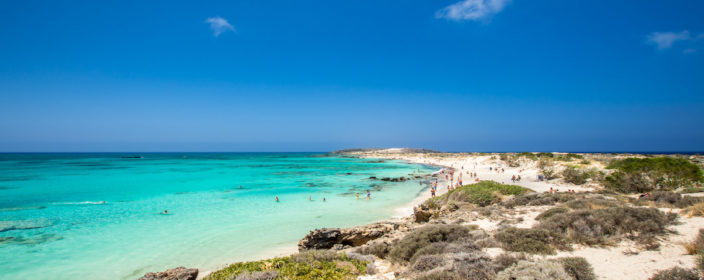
632,259
399,213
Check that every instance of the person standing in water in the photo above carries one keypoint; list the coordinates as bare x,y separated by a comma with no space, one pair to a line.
357,195
277,199
369,195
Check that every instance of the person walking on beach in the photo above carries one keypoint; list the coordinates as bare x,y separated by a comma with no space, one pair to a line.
369,195
357,195
432,192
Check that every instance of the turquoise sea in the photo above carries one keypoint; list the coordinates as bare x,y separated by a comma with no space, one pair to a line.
97,216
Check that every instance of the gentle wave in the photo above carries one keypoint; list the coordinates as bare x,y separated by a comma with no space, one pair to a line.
81,203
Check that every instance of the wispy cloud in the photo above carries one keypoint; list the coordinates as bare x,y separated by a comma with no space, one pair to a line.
664,40
475,10
219,25
689,51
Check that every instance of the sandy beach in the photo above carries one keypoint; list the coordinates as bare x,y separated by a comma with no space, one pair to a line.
622,261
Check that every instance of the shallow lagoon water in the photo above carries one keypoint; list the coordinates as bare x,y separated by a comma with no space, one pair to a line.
96,216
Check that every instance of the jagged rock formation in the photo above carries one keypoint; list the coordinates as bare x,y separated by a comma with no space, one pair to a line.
327,238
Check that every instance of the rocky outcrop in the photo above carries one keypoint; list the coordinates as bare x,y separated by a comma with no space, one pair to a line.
327,238
179,273
422,214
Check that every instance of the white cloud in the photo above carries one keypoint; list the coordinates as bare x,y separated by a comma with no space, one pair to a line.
219,25
664,40
476,10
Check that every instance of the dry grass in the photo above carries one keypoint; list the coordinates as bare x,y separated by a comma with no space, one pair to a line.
695,210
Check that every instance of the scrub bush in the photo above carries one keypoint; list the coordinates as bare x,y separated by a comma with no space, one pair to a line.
540,270
676,273
552,211
577,267
648,174
533,241
608,225
406,248
574,175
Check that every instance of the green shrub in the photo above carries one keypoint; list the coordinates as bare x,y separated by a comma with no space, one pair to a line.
569,157
577,267
540,270
671,199
427,262
538,199
506,260
676,273
307,265
575,176
406,248
440,274
379,249
552,211
593,203
533,241
647,174
483,193
258,275
693,190
608,225
547,169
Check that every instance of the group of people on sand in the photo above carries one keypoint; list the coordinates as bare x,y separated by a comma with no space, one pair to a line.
555,190
515,178
497,169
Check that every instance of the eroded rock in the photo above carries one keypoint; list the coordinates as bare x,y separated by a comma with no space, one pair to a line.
327,238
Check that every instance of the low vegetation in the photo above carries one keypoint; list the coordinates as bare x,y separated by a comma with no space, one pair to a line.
574,175
533,241
577,267
306,265
539,270
696,247
606,226
638,175
427,240
676,273
483,193
670,199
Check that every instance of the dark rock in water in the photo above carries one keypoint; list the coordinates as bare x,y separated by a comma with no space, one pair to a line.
422,213
179,273
131,157
348,173
399,179
372,177
342,238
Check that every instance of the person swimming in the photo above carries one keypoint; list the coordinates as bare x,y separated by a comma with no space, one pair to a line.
165,212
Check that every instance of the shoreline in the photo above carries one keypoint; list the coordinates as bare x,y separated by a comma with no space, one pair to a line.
399,213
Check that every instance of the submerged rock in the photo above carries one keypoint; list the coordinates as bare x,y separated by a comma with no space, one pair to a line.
179,273
356,236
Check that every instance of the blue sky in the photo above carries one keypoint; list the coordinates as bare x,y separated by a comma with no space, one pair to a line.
473,75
